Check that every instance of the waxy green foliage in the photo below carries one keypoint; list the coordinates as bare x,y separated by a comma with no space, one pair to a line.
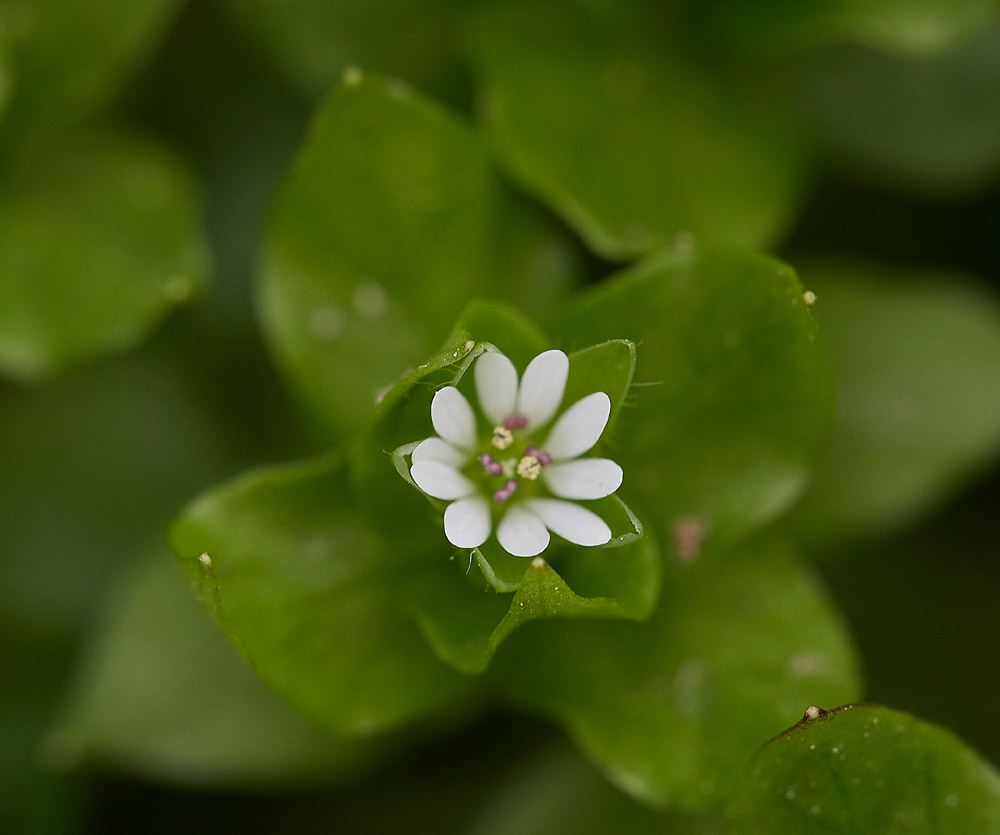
672,708
390,220
598,111
732,398
193,713
870,771
334,576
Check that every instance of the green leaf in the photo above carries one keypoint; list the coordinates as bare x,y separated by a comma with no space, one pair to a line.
6,80
943,575
95,466
99,239
390,220
462,617
559,793
671,709
732,399
597,112
916,27
864,770
69,56
314,41
916,359
193,714
926,124
465,627
311,590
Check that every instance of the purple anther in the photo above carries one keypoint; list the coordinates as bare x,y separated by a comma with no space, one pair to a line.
513,422
491,465
543,458
505,492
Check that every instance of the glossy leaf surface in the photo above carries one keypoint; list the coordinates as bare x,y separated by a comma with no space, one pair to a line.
732,399
867,770
671,709
600,113
389,222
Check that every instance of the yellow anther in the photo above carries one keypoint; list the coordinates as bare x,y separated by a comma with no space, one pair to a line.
502,437
529,467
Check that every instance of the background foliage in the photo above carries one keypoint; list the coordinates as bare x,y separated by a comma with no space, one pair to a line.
224,225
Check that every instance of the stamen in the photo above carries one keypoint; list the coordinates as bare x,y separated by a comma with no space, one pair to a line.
543,457
491,466
529,467
505,492
515,422
502,437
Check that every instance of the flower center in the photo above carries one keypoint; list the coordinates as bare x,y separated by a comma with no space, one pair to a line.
527,466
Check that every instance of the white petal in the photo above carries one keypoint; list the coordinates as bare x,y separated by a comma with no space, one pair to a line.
584,478
441,480
467,522
496,385
522,533
542,387
453,419
579,427
572,522
434,449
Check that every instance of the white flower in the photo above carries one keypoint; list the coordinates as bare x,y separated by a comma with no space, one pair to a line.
506,475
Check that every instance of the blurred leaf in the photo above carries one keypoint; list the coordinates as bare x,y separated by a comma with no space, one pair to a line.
866,770
672,708
34,800
161,693
314,41
600,116
731,400
922,608
915,25
902,26
389,221
70,56
94,467
311,590
561,794
916,360
6,80
922,123
99,238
